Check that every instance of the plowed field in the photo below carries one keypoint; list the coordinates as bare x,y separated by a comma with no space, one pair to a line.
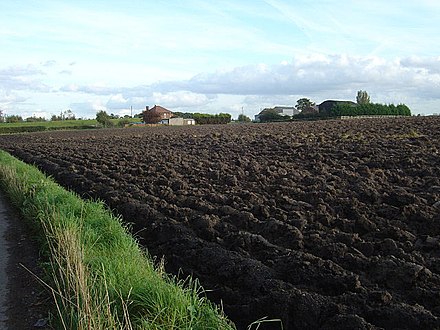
332,224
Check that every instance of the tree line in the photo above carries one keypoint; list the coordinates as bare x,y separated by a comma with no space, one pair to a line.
206,118
370,109
362,107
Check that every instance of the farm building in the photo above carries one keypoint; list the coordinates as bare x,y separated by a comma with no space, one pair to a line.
326,106
156,114
161,115
178,121
283,111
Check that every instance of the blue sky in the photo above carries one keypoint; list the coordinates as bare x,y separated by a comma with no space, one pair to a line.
219,56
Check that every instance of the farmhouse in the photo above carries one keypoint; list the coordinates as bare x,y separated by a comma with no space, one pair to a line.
161,115
326,106
158,112
283,111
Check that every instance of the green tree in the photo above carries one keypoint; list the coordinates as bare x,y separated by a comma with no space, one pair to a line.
14,119
104,119
151,117
362,97
403,110
69,115
185,115
207,118
122,122
35,119
269,115
243,118
56,118
303,104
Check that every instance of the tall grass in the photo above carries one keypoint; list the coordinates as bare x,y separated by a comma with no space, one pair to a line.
100,278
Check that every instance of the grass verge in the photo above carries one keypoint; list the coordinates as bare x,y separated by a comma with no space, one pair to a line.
99,276
27,127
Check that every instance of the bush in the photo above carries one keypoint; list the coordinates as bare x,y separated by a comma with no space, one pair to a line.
270,115
21,129
122,122
14,119
205,118
104,119
243,119
370,109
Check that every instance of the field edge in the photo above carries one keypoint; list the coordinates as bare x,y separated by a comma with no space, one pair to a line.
94,258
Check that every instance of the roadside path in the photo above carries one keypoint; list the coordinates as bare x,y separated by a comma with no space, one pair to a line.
4,258
23,302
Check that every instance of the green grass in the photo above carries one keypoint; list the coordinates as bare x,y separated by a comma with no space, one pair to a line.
63,123
99,276
10,128
52,124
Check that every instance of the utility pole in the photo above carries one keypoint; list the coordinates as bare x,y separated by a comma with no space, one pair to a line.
131,111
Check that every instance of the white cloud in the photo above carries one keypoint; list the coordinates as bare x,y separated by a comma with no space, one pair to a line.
430,65
88,108
412,80
117,101
181,99
319,74
123,102
23,77
10,98
40,114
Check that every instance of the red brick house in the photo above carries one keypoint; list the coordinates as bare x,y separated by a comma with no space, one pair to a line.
164,113
156,114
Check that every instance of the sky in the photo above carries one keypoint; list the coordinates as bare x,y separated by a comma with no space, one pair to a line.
215,56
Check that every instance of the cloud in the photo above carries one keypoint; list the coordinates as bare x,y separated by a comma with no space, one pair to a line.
92,89
49,63
27,77
181,99
9,98
39,114
316,76
118,102
89,108
66,72
21,70
429,65
320,73
173,100
412,80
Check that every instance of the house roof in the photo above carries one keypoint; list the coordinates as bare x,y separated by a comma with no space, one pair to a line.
338,101
159,109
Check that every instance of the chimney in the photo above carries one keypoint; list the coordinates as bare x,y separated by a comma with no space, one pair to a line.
147,108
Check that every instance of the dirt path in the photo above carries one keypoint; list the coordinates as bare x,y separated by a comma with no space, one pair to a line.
23,303
4,257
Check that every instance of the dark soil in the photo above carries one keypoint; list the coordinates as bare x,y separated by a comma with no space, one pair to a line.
331,225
